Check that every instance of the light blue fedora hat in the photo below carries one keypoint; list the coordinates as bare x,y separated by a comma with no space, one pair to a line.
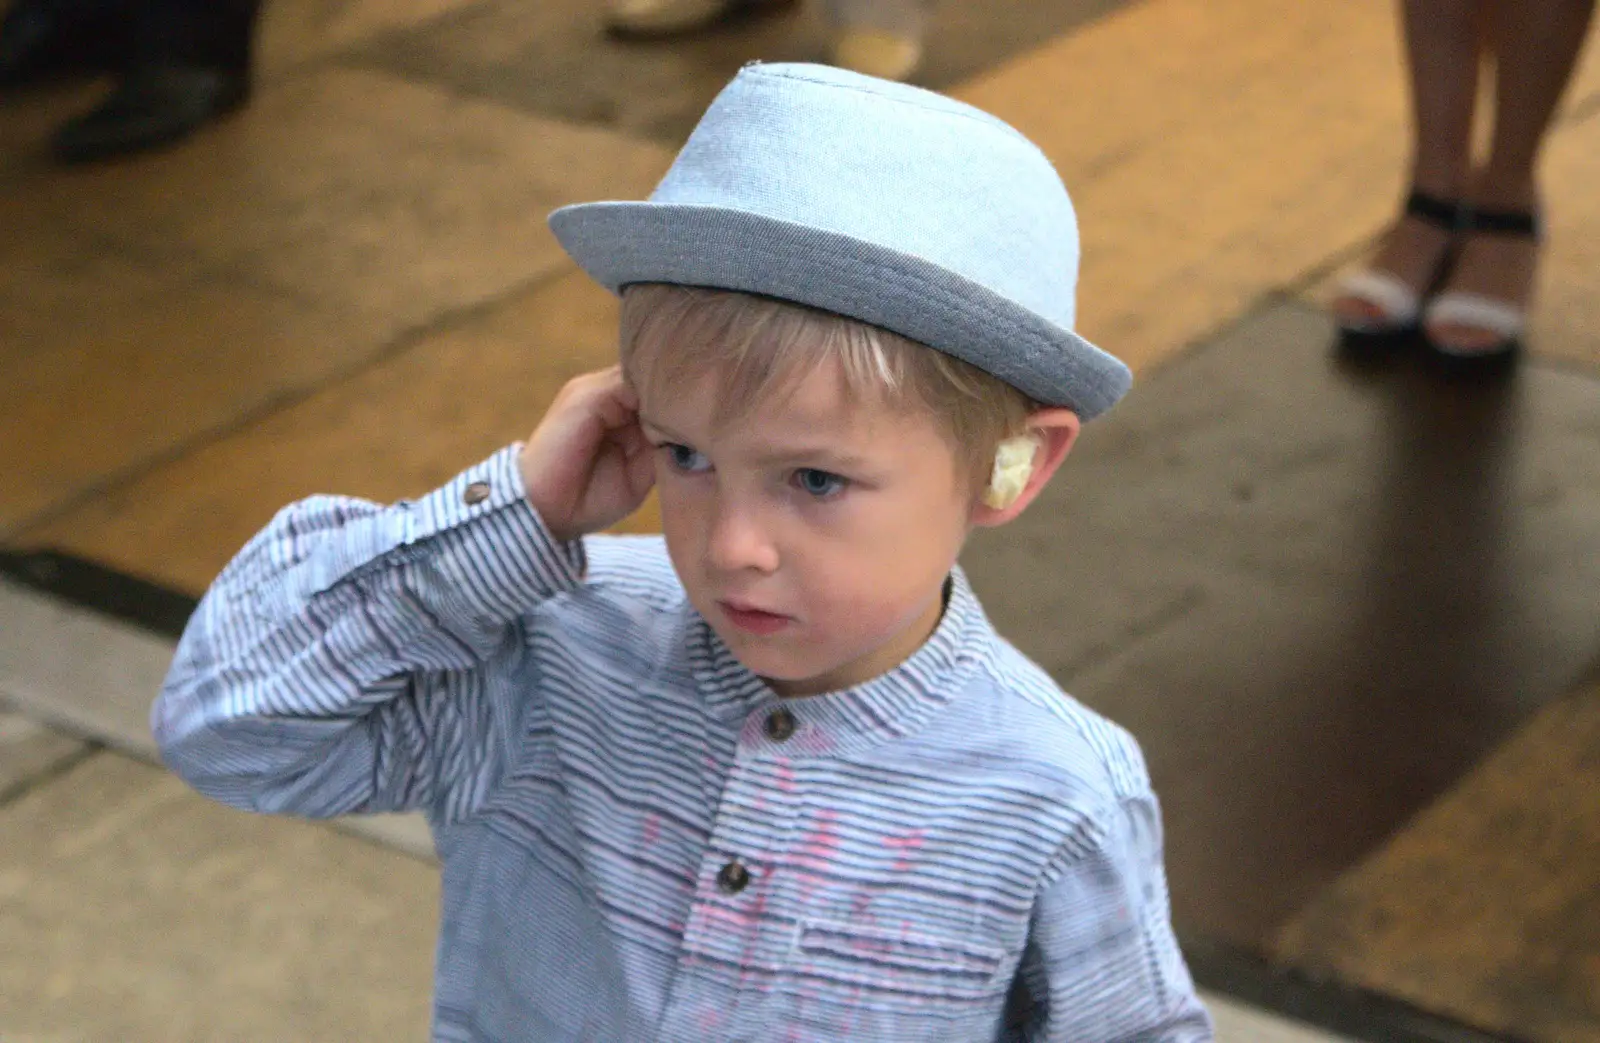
882,202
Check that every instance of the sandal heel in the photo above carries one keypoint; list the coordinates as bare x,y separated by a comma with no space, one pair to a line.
1504,319
1398,305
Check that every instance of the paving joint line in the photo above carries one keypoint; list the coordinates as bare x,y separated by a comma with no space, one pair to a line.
1579,111
54,771
1149,625
396,348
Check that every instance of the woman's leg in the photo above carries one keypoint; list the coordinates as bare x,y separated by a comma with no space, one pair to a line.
1444,41
1534,46
1442,44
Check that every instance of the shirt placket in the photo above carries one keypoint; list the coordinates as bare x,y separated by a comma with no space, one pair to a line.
735,943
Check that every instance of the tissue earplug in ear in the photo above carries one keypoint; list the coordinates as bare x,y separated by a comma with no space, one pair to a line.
1013,464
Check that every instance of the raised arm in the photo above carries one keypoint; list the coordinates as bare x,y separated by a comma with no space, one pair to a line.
349,659
358,658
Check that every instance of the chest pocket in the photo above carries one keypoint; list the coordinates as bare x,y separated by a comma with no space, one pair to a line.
909,966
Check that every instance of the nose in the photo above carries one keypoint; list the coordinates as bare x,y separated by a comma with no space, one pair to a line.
738,540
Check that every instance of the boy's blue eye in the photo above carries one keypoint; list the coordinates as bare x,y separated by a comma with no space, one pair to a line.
820,484
685,459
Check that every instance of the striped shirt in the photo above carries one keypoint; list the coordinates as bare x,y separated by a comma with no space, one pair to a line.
640,841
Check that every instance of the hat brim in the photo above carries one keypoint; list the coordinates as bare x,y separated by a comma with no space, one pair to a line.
619,243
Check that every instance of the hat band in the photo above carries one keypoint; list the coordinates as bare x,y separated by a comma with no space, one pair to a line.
730,249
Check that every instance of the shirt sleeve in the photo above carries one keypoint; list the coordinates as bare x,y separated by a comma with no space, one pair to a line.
355,657
1102,963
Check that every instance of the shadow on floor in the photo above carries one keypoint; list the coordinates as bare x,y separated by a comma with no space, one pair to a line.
1317,598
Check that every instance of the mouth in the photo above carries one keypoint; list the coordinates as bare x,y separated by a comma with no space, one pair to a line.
753,620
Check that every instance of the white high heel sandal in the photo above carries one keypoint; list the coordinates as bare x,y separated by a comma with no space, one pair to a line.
1398,305
1503,320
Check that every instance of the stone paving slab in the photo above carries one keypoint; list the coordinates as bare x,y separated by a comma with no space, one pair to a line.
29,750
1316,598
1485,905
133,910
1237,1023
361,191
295,32
553,58
1565,321
398,430
166,299
114,357
79,671
92,676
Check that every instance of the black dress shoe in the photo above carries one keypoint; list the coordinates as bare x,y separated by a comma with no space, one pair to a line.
152,106
41,40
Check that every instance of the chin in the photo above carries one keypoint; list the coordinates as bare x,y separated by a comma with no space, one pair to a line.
770,665
773,667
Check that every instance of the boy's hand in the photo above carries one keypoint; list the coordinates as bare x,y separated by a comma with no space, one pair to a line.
588,464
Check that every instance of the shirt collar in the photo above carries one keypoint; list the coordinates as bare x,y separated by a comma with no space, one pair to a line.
890,706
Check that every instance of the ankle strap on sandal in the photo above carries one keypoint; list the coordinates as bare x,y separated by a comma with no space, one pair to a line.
1446,213
1505,222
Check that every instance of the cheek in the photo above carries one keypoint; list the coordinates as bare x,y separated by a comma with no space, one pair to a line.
863,610
886,570
918,533
682,513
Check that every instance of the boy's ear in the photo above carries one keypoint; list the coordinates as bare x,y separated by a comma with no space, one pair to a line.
1057,431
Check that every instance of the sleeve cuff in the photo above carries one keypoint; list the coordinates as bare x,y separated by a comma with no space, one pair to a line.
486,487
484,538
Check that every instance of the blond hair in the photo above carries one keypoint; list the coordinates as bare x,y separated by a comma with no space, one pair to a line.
759,347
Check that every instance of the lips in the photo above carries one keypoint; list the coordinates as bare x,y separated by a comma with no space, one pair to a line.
752,619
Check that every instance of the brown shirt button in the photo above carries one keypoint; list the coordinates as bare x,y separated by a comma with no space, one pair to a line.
779,725
733,878
475,494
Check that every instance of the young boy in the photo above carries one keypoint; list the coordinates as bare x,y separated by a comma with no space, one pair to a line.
773,777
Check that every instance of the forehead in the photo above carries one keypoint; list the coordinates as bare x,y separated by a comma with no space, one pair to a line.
815,405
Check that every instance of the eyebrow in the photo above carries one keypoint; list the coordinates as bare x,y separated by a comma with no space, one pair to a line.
648,421
812,454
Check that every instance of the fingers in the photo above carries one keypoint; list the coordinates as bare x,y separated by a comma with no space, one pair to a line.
617,405
630,440
588,462
602,394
